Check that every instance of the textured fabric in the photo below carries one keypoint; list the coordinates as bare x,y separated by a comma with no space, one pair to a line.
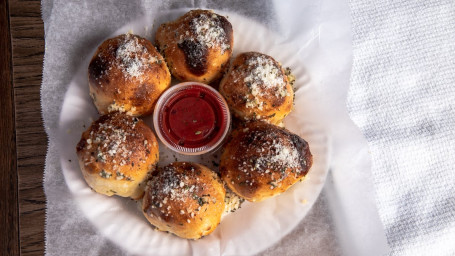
402,96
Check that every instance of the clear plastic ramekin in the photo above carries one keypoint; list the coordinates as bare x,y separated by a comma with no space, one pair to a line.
174,126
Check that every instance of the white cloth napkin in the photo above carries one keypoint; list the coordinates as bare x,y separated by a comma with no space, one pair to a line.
402,96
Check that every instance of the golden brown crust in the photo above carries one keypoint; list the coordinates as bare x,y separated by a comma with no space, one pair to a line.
127,74
257,88
116,154
186,199
197,46
261,160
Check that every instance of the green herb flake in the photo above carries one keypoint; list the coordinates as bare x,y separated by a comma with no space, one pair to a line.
273,184
105,174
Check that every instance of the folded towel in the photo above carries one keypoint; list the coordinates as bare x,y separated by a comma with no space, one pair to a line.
402,96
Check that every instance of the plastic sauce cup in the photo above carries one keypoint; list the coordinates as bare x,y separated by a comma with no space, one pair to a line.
191,118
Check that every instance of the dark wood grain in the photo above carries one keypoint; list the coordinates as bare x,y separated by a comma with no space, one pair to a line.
27,38
9,219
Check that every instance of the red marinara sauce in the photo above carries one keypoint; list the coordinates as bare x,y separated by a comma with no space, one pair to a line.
191,118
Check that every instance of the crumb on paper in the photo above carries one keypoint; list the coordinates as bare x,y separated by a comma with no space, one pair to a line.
68,131
291,77
303,201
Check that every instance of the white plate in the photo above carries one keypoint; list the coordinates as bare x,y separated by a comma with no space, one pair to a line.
249,230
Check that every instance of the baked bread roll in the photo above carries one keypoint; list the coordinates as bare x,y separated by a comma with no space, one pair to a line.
127,74
262,160
197,46
116,154
257,88
186,199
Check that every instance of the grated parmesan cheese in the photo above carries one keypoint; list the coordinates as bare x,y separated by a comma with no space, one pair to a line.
109,141
115,107
263,75
280,155
133,57
174,186
275,156
209,32
232,202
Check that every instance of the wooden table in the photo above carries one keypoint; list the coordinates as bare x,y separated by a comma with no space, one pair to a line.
23,141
